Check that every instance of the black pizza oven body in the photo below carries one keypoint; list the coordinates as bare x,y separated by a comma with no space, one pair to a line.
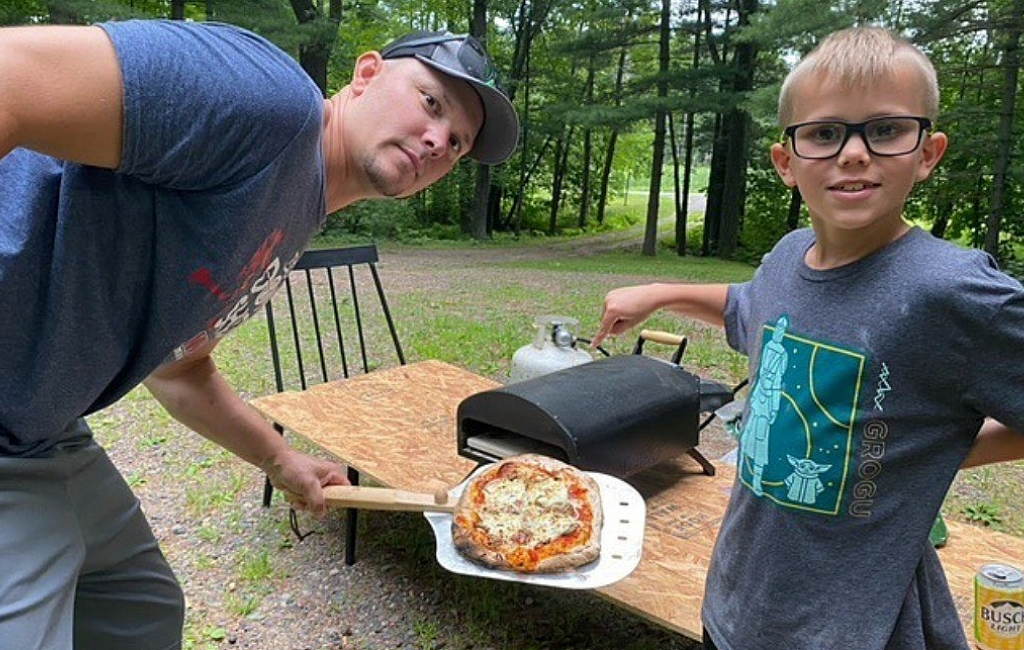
617,415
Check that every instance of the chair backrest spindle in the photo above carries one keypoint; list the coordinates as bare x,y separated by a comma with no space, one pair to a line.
323,296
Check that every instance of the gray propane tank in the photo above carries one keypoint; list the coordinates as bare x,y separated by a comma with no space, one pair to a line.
553,348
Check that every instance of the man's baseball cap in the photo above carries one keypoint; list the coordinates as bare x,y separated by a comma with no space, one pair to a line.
463,57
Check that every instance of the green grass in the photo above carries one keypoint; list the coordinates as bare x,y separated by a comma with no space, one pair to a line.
668,267
479,326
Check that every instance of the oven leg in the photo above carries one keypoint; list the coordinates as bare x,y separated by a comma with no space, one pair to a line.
350,523
705,464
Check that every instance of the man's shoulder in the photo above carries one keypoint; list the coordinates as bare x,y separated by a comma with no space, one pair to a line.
212,87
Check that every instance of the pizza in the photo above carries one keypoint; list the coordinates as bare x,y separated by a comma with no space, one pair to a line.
530,514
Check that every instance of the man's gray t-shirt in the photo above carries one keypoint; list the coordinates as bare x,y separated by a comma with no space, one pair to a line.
106,274
869,384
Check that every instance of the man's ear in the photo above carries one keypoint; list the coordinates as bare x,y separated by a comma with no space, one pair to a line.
368,66
931,153
781,158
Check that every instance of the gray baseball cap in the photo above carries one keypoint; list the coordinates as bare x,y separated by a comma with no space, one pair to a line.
463,57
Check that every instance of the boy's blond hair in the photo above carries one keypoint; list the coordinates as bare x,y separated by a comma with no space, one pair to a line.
855,57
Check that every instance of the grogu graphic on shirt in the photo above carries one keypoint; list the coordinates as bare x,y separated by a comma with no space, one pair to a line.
797,439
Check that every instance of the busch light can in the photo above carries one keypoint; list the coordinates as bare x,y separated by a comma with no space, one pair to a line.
999,608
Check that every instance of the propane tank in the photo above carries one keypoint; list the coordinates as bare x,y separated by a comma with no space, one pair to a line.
553,348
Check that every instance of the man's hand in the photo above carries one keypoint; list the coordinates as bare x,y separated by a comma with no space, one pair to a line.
194,393
302,479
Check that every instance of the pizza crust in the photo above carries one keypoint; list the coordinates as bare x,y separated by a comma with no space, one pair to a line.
495,551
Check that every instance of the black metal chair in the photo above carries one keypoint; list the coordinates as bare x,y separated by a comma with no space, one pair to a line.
320,331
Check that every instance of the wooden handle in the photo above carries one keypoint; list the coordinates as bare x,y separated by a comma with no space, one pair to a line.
378,498
661,337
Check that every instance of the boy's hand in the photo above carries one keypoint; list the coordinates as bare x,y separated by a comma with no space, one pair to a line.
624,308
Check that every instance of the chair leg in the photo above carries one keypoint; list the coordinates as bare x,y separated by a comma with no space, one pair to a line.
268,491
350,523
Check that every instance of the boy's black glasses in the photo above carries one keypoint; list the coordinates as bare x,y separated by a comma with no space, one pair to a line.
471,57
883,136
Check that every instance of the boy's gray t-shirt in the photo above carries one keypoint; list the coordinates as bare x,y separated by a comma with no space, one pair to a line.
869,384
106,274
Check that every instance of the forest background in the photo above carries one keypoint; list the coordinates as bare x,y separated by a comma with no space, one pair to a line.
620,96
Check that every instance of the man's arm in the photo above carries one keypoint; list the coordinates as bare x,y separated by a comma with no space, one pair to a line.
995,443
61,93
195,393
627,307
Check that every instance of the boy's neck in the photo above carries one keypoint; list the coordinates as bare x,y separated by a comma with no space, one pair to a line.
834,248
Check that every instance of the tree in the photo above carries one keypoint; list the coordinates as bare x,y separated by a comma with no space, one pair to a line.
650,246
320,22
1011,27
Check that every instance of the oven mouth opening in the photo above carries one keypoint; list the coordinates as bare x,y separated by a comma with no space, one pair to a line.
487,443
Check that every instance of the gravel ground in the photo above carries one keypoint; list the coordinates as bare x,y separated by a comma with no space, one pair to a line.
251,584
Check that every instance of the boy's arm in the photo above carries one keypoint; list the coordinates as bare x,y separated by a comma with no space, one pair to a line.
627,307
195,393
60,93
995,443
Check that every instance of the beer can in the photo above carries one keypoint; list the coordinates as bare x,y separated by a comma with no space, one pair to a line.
999,608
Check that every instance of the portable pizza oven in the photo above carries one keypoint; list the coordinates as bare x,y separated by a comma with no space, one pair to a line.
617,415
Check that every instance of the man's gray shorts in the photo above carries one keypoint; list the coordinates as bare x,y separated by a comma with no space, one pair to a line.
79,566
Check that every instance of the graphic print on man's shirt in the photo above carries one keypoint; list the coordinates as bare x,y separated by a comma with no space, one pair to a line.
797,440
255,284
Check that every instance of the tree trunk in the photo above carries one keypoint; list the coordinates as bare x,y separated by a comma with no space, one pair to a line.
313,56
679,195
561,165
793,215
733,182
942,209
688,147
1011,73
713,210
606,175
61,14
687,174
528,23
477,222
609,153
588,140
737,128
588,143
481,218
658,155
516,211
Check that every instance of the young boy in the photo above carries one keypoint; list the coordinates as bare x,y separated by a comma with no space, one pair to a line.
877,353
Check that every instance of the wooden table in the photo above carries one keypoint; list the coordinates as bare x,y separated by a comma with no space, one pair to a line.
398,427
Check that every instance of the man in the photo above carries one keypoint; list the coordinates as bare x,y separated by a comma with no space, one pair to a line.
157,182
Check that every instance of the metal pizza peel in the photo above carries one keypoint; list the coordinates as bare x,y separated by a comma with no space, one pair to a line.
622,533
622,541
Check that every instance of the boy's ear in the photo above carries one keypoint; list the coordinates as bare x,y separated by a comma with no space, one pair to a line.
781,158
931,153
368,66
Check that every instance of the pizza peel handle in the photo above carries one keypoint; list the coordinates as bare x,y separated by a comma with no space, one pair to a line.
376,498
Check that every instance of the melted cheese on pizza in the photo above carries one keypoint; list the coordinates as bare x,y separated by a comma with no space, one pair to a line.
527,512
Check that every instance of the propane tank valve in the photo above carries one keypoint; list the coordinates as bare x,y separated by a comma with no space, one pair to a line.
563,336
553,348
